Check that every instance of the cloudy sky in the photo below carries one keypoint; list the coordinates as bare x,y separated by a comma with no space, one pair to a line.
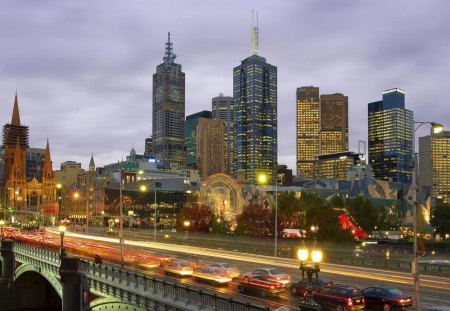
83,69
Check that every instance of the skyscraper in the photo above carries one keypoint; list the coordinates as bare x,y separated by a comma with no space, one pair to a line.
169,111
223,109
190,137
255,108
333,123
308,127
434,164
390,137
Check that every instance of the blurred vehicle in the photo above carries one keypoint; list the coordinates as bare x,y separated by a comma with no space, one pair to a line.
294,233
261,286
233,272
178,267
386,298
340,297
214,274
300,287
270,274
194,260
437,308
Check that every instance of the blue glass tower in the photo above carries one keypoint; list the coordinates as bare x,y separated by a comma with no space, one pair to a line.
390,137
255,108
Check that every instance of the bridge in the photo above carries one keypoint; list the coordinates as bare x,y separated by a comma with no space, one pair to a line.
39,279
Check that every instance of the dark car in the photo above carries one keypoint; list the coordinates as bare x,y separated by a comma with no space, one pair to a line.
340,297
300,287
386,298
262,286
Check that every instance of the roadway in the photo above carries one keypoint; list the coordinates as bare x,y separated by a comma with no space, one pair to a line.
435,290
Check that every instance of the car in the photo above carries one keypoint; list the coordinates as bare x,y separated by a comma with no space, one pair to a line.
300,287
386,298
261,286
340,297
194,260
271,274
179,267
214,274
233,272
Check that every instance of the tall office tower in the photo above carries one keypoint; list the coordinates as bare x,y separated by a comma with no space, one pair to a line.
434,164
333,123
169,111
223,109
307,129
190,136
255,109
210,147
390,137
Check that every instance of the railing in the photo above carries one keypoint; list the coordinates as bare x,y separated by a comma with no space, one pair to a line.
162,291
43,255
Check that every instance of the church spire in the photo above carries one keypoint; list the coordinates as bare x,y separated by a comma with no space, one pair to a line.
255,35
47,170
170,56
15,116
92,164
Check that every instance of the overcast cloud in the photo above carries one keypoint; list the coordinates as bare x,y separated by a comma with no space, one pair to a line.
83,69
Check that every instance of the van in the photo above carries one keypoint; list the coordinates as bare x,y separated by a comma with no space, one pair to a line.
294,233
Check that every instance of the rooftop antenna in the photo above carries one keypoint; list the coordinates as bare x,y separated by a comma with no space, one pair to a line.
255,43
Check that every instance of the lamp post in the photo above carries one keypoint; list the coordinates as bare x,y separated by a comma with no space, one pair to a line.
311,266
436,128
156,213
62,229
186,224
2,224
120,218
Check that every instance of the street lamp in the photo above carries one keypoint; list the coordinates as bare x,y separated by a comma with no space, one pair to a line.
436,128
2,224
120,219
311,266
62,229
186,224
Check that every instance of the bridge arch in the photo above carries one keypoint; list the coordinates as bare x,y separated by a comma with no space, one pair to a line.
110,303
36,289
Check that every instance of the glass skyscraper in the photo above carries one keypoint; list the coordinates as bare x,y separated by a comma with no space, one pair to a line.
255,108
169,111
223,109
390,137
190,136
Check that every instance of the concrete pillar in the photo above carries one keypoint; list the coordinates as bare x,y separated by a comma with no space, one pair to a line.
71,283
6,251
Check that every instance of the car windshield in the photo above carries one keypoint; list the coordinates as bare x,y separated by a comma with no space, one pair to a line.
275,271
393,292
353,293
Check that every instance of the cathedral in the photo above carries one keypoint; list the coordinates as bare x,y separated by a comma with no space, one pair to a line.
29,183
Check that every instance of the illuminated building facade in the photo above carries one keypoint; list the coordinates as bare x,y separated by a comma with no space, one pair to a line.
255,108
434,164
336,165
307,129
169,111
333,123
223,109
210,147
390,137
190,136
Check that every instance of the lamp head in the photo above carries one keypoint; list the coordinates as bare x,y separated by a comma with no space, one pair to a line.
143,188
302,254
436,128
316,256
262,179
2,222
62,229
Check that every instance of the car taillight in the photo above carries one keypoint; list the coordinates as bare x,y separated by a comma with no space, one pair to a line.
272,287
362,299
349,302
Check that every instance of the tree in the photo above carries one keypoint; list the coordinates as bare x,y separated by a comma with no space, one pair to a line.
199,217
440,218
364,212
289,213
255,220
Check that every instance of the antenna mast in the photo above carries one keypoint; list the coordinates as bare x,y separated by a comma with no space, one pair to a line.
255,43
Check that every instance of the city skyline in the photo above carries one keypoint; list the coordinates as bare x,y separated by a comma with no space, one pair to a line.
84,72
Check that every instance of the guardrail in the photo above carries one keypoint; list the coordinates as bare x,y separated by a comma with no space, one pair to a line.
147,289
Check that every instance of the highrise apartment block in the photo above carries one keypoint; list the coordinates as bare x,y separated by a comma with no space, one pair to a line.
223,109
169,111
333,123
255,109
434,164
390,137
190,137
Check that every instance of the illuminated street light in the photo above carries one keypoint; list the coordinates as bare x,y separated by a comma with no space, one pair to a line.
310,266
62,230
436,128
186,224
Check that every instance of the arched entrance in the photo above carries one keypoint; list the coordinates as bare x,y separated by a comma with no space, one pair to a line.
223,195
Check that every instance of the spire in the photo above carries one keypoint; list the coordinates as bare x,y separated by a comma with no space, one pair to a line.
255,35
170,56
15,116
17,169
92,164
47,170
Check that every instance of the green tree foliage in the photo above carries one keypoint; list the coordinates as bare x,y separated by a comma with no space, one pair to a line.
199,216
440,218
365,213
220,225
255,220
389,217
289,213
